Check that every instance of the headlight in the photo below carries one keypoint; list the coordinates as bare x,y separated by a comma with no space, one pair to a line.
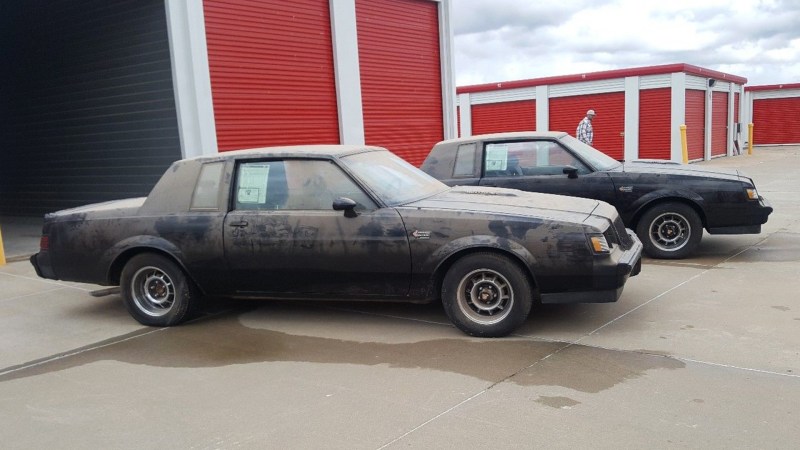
752,193
599,244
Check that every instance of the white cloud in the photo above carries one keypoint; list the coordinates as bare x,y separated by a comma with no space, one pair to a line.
505,40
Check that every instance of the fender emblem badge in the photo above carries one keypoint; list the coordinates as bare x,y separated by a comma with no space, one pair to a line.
421,234
626,188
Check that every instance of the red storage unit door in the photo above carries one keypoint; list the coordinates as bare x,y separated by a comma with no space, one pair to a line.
695,123
401,81
608,124
272,78
735,108
502,117
655,118
458,119
775,121
719,123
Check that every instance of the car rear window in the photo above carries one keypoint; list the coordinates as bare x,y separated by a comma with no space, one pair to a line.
206,191
465,161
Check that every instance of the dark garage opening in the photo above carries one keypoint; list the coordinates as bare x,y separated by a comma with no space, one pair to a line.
87,108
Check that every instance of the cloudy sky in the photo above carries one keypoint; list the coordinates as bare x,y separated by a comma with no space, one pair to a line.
504,40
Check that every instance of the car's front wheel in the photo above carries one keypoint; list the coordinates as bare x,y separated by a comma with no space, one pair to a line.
670,230
486,295
155,290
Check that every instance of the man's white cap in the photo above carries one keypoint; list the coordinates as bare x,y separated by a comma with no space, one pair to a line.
590,112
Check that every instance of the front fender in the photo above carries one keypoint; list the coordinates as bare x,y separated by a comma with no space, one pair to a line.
642,203
443,256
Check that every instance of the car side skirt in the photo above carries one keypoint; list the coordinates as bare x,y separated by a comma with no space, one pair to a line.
749,229
605,296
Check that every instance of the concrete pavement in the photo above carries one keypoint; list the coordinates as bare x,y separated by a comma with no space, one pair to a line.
698,353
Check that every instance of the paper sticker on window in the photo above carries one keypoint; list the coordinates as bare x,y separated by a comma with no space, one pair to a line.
253,183
496,157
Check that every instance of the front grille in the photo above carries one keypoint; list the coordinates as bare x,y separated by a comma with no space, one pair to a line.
611,236
624,240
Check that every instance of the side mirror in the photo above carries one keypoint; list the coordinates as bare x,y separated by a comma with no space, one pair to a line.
571,171
347,205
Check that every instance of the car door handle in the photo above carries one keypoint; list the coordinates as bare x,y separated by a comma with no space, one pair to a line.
240,224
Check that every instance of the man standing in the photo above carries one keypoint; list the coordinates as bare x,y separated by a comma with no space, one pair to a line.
584,133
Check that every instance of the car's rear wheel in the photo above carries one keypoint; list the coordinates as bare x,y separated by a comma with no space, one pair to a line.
486,295
670,230
155,290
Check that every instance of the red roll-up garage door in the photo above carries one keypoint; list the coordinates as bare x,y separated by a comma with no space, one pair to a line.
719,123
775,120
401,85
655,138
502,117
695,123
608,124
272,77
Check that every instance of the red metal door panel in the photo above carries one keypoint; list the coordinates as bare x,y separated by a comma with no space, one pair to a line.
695,123
271,67
775,121
719,123
502,117
655,118
458,119
401,81
608,124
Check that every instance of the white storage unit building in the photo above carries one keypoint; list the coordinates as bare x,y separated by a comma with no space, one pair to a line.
639,110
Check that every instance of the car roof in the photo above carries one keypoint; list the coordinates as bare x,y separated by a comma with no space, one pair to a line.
296,151
510,135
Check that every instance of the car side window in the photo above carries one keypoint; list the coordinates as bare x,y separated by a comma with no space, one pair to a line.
530,158
465,161
496,161
206,191
261,185
295,185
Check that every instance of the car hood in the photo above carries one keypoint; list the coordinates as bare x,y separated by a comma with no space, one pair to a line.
670,168
510,202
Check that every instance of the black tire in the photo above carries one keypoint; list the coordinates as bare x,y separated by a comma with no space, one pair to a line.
155,290
486,295
670,230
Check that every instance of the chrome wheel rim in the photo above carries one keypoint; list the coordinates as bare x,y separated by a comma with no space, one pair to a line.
485,296
670,231
153,291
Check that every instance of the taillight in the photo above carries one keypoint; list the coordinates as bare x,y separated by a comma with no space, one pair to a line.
44,243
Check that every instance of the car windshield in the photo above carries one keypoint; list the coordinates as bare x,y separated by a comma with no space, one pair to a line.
597,159
393,179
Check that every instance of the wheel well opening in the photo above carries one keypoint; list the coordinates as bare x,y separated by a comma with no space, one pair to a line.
684,201
115,271
445,266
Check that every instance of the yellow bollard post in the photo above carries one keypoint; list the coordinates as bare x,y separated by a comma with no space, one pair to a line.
684,145
2,252
750,127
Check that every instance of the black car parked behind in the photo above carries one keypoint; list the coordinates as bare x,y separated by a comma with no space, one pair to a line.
667,204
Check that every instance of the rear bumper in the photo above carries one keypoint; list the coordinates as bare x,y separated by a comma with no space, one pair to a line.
609,277
41,263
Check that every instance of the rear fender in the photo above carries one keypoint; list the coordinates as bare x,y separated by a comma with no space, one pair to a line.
117,256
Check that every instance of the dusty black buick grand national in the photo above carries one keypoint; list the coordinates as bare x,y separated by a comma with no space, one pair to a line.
668,204
340,222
